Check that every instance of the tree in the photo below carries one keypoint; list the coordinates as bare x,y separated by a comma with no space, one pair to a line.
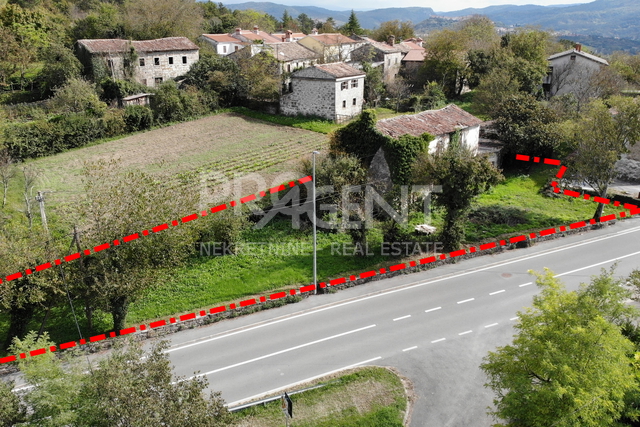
399,89
260,77
352,26
248,18
218,75
601,136
306,24
400,30
495,88
524,54
119,204
568,364
373,84
329,26
527,127
463,176
128,387
288,22
7,172
12,410
154,19
61,66
78,96
445,61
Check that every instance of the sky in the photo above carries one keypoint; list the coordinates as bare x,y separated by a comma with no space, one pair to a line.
438,6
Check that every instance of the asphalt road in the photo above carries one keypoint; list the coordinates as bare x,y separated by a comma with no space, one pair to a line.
433,326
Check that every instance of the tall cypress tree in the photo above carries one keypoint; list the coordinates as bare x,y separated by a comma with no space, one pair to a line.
352,26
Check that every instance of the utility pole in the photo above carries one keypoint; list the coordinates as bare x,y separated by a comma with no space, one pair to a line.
43,214
313,220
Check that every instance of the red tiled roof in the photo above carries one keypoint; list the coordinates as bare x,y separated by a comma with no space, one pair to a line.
121,46
436,122
332,38
222,38
260,36
415,55
340,69
411,45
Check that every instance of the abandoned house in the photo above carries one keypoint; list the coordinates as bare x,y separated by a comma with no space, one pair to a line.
149,62
331,91
385,55
572,71
442,124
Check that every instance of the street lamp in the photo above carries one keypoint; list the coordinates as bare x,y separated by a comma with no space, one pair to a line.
313,220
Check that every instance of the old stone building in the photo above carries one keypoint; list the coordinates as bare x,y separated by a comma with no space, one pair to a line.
149,62
442,124
331,91
385,55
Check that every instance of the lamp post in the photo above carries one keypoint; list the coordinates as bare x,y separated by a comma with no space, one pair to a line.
313,220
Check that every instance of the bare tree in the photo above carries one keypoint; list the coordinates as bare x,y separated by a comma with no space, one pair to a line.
30,174
399,89
7,172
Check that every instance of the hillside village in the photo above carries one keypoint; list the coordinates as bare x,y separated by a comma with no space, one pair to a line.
121,123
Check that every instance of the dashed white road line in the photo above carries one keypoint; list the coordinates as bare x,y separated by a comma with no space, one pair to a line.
438,340
465,332
497,292
491,325
466,300
514,318
403,317
410,348
432,309
525,284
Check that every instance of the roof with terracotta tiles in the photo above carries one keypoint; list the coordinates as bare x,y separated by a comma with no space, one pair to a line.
435,122
331,39
222,38
415,55
121,46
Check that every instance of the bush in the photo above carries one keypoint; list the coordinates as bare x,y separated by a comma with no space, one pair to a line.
78,96
137,117
113,123
173,105
113,90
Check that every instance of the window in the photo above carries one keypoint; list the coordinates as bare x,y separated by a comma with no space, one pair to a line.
344,104
156,61
184,59
109,63
171,60
288,68
290,87
224,49
142,62
573,57
344,85
354,101
354,83
158,80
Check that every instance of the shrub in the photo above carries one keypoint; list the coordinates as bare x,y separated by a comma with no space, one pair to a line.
137,117
117,89
113,123
78,96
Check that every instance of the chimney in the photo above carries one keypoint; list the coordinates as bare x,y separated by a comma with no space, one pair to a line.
289,36
238,31
255,29
419,41
578,47
392,40
314,32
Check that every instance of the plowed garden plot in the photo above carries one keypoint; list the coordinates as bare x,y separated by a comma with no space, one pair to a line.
228,144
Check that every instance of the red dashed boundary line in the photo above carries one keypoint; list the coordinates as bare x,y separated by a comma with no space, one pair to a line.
633,210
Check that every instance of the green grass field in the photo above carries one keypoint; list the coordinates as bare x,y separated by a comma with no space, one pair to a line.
368,397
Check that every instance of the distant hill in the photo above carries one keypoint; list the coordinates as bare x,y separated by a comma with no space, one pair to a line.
368,19
604,18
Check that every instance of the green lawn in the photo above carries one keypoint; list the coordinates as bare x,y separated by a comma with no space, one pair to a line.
368,397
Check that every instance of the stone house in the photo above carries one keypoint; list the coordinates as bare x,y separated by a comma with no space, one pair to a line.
384,55
572,71
224,44
331,91
442,123
149,62
332,47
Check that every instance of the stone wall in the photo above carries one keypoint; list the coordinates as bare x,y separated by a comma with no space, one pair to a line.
148,73
310,97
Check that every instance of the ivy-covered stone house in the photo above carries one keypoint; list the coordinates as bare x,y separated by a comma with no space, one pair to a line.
149,62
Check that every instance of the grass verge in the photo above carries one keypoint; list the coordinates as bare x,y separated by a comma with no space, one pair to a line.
314,124
366,397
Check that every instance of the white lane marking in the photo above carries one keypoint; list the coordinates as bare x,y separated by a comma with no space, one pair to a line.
410,348
526,284
289,386
491,325
497,292
403,317
432,309
420,284
514,318
438,340
465,332
286,350
465,300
